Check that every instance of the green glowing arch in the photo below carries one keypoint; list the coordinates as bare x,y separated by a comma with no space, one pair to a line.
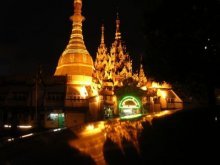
129,101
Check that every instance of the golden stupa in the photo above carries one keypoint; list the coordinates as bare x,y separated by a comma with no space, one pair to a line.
75,61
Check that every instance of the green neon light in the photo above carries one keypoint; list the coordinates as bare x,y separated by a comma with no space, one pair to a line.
129,98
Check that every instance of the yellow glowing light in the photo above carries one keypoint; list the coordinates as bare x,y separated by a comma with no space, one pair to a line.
114,98
24,126
94,89
155,85
91,130
144,88
28,135
149,115
83,92
158,85
57,129
91,142
131,116
101,125
90,127
163,113
162,93
11,139
97,99
78,1
7,126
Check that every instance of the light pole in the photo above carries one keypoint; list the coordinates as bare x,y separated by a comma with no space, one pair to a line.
36,99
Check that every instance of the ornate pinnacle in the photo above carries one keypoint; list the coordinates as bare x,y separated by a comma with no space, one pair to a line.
77,1
102,38
77,17
117,33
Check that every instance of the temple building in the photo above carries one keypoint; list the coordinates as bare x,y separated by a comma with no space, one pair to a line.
113,71
82,90
95,91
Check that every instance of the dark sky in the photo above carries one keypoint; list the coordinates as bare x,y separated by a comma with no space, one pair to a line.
169,34
36,33
177,34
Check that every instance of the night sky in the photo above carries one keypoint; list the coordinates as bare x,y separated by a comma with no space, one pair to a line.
34,34
170,35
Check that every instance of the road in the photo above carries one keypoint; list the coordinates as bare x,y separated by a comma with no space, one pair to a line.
184,137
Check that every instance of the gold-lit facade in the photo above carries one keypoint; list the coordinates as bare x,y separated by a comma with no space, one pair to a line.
113,70
92,86
115,64
81,91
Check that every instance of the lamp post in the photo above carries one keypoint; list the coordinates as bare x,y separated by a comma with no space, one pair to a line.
36,100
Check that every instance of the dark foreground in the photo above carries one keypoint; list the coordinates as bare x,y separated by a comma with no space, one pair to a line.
186,137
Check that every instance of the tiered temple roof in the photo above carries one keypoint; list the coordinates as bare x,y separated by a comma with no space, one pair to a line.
116,64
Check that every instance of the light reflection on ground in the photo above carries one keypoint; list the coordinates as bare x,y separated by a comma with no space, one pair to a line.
91,140
92,137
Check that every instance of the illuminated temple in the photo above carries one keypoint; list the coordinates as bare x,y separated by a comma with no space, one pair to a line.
90,88
82,90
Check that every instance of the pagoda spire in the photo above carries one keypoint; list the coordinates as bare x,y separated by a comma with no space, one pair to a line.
102,58
103,36
142,77
76,42
117,33
75,55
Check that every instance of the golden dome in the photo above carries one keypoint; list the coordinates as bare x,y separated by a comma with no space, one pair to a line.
75,64
75,60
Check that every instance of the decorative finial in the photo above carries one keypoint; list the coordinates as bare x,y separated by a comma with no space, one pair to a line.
141,61
117,15
117,33
77,1
77,17
103,38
